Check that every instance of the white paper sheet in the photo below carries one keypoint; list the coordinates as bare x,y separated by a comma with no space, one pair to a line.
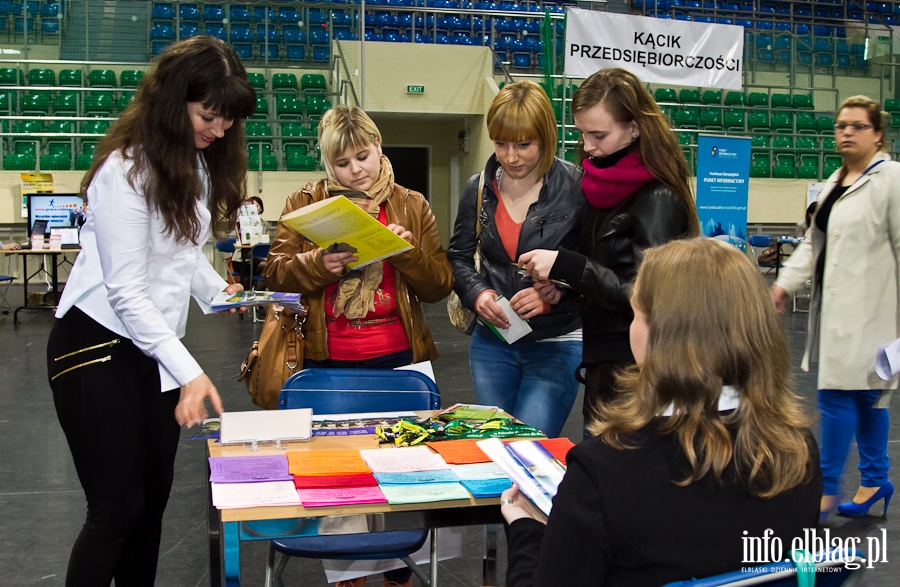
248,495
887,361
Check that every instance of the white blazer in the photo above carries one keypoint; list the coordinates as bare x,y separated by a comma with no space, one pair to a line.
857,307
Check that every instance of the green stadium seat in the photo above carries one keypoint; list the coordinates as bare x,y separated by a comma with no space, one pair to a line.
257,80
758,99
262,107
758,121
65,104
759,166
760,142
315,82
829,145
685,139
41,77
301,163
124,100
735,121
809,167
70,77
292,132
785,168
711,97
687,118
825,125
102,78
806,122
130,78
258,132
781,100
782,122
54,161
98,104
316,105
831,164
689,96
892,105
806,144
64,149
11,77
97,127
782,145
7,102
563,91
295,149
288,107
34,105
802,102
284,81
711,119
84,161
263,162
734,98
18,162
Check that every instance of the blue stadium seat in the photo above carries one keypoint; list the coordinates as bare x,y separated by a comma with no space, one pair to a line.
189,13
214,30
162,11
239,14
213,13
186,31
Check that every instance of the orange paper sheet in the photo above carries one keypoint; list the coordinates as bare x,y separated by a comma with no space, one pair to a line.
326,462
459,452
558,447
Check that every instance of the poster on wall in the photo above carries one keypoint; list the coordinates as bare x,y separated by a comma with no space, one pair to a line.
34,183
654,49
723,177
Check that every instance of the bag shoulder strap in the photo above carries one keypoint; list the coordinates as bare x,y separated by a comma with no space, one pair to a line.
478,200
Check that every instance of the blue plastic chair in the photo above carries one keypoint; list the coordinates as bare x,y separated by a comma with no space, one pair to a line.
784,574
335,391
226,249
6,280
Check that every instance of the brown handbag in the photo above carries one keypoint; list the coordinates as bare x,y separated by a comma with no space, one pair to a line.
273,358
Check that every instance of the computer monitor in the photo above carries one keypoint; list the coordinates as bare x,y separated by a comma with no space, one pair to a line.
59,210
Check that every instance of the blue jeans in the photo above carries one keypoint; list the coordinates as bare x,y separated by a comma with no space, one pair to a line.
845,413
533,381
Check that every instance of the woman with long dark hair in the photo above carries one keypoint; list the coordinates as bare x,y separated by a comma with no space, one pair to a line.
170,170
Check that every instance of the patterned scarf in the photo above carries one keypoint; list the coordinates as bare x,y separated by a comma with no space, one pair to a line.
356,291
605,187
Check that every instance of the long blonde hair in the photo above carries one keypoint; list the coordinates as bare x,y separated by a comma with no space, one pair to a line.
711,324
626,99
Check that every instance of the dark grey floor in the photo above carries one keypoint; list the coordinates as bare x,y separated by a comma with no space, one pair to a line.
42,505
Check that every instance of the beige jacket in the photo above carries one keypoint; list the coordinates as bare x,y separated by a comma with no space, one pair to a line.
857,309
423,273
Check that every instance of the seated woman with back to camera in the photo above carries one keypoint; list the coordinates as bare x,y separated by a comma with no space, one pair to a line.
704,448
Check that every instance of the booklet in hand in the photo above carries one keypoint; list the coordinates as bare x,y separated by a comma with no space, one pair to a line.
336,224
248,298
530,465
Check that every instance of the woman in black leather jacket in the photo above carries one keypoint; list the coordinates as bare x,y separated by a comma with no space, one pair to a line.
530,199
636,184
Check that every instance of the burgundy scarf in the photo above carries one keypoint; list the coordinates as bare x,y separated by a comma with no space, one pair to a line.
605,187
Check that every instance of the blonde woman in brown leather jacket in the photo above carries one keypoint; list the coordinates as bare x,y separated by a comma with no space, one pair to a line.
354,337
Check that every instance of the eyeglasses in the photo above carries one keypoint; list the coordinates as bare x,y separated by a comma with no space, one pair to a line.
856,126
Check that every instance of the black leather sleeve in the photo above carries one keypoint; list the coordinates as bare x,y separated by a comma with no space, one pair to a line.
469,283
654,218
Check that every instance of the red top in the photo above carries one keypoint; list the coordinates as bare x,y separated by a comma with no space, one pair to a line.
508,230
379,333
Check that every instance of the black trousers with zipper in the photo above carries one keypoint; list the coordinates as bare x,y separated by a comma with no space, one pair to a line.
122,434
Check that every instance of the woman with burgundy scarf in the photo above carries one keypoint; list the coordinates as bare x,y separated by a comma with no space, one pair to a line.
370,317
635,180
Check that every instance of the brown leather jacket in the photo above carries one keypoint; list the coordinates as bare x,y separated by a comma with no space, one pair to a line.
423,273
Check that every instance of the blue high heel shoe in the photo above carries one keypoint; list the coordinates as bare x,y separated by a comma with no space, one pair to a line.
856,510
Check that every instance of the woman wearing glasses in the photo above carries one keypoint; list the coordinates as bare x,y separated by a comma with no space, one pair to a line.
851,258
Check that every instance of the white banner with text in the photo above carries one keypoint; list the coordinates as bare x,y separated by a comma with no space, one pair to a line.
654,49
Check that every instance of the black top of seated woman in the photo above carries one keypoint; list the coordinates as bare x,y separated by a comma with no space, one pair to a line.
618,520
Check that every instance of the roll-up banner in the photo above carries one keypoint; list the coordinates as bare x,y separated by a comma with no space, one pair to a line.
723,176
656,50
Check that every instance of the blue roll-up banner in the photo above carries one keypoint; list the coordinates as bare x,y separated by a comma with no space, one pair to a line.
723,179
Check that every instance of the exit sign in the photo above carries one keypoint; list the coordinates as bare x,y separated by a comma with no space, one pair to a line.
415,89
